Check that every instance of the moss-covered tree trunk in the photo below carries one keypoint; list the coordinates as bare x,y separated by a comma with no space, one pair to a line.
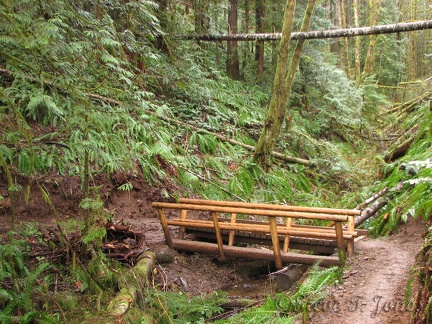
282,83
345,48
357,45
131,283
259,47
374,13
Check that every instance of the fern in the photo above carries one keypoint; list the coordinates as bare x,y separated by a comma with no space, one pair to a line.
196,309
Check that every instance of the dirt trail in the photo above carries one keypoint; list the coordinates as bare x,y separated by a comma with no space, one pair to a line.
375,281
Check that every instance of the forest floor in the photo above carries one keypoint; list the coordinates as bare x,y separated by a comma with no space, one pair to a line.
374,282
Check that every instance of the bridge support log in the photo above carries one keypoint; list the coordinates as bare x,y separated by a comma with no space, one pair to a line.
252,253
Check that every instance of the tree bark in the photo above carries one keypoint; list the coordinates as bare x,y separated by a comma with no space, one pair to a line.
282,87
374,8
259,48
233,68
345,54
275,113
357,46
319,34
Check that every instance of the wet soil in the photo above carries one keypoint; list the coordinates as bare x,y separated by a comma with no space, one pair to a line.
189,273
375,286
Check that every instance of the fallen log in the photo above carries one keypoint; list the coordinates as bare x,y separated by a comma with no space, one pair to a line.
381,202
131,282
401,149
372,199
317,34
364,204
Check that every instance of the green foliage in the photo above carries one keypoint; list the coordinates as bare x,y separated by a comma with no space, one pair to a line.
86,82
184,309
328,105
414,171
286,308
22,289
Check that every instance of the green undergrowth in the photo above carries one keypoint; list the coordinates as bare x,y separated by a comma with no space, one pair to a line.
409,179
99,92
291,306
87,90
422,311
38,288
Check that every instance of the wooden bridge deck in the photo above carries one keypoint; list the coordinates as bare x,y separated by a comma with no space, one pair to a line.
280,232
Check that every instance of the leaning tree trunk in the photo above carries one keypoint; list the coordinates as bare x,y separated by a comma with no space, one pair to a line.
282,84
276,111
357,46
374,7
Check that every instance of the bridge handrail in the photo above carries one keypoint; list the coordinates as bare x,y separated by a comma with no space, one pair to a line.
338,216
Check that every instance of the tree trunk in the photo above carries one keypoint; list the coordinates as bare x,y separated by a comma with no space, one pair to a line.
259,48
202,23
276,112
245,49
318,34
345,47
374,13
232,48
131,283
281,89
357,46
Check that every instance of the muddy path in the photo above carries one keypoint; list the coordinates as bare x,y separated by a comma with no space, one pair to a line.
374,288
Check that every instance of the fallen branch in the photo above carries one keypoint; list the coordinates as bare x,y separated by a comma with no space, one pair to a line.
406,107
278,155
381,202
207,180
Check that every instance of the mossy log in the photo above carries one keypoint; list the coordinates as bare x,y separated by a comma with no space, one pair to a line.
131,282
399,150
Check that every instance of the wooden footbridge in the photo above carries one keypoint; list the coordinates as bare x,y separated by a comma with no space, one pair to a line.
242,229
